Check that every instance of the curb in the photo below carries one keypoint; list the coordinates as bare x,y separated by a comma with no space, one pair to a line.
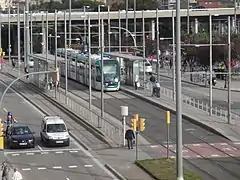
184,115
200,85
145,170
112,170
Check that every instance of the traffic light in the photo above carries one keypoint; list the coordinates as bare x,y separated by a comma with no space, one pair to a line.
55,76
1,128
134,124
142,124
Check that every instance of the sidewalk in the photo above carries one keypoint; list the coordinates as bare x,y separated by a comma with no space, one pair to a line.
235,83
212,123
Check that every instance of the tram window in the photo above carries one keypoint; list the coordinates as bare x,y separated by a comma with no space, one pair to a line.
98,75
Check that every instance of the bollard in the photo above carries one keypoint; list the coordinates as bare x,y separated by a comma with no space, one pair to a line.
168,119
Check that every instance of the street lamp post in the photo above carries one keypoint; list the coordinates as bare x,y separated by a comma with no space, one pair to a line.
119,31
179,148
70,23
102,73
144,49
210,65
188,18
31,32
55,63
66,62
19,39
126,20
173,59
89,64
84,9
109,25
158,54
9,33
229,70
27,33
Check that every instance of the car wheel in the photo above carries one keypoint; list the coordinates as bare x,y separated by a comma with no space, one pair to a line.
33,145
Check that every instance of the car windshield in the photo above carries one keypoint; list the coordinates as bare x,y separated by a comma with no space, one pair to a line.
52,128
21,130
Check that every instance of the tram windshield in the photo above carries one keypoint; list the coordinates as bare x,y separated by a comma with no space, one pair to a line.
111,71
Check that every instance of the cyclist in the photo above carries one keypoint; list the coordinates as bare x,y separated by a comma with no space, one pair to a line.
10,118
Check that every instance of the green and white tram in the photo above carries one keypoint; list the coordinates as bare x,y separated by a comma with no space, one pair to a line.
80,73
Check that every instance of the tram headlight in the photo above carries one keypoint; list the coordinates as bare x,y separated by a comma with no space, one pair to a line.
115,79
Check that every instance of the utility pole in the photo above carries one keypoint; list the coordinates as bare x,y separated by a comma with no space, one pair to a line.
56,65
135,21
9,33
174,58
210,66
127,22
158,54
179,147
102,73
109,28
188,18
65,56
19,39
70,23
229,70
27,33
89,64
31,39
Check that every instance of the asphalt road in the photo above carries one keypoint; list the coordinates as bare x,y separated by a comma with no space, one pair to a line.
220,97
42,163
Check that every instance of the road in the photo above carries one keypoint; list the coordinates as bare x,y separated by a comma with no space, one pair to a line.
43,163
202,94
200,145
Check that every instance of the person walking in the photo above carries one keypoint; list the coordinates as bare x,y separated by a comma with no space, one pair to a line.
129,136
17,175
5,171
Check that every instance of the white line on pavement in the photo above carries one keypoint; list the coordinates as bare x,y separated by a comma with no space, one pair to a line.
5,109
30,153
59,152
42,168
26,169
73,151
215,155
88,165
74,166
15,154
57,167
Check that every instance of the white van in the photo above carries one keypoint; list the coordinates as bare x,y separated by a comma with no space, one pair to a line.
54,131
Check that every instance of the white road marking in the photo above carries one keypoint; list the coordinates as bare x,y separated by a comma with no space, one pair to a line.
227,149
186,156
26,169
223,144
39,147
196,144
42,168
215,155
59,152
74,166
5,109
73,151
57,167
88,165
198,156
15,154
212,144
30,153
185,150
190,129
237,143
67,179
44,152
154,146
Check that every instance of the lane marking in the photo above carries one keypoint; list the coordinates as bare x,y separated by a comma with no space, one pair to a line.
73,151
30,153
223,144
74,166
39,147
15,154
67,179
44,152
26,169
42,168
198,156
190,129
212,144
5,110
237,143
185,151
57,167
88,165
196,144
154,146
59,152
215,155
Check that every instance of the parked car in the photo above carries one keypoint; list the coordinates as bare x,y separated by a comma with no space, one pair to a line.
19,135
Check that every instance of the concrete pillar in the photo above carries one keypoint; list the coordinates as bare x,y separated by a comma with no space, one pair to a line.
153,29
196,26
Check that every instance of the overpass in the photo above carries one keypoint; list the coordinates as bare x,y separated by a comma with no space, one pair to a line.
114,15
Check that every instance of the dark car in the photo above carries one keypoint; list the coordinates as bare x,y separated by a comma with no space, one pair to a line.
19,135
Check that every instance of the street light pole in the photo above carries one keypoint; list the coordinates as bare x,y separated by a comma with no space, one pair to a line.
9,33
119,31
24,42
70,23
178,94
66,62
31,32
210,66
19,39
157,19
99,27
173,59
135,20
89,64
126,21
102,73
235,16
144,49
27,34
55,63
229,70
46,36
109,25
188,18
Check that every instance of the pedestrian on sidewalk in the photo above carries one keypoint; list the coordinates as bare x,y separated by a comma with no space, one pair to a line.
129,136
137,84
5,171
17,175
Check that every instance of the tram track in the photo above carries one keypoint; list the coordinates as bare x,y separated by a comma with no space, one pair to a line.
212,160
